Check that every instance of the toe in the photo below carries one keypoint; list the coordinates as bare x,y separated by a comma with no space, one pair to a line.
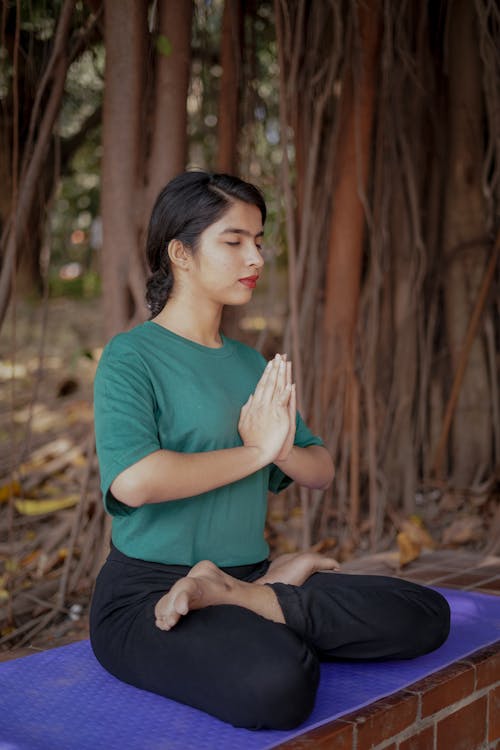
181,603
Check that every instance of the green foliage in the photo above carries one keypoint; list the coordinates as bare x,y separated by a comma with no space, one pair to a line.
163,45
77,205
83,90
86,286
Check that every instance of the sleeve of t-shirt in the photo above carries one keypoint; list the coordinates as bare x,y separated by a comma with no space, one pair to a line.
278,480
124,417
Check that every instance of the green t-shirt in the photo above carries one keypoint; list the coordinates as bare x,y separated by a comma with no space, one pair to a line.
155,389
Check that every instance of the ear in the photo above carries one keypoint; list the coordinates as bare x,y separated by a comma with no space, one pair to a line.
179,255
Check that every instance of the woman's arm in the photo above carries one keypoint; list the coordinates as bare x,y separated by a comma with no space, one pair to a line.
311,467
168,475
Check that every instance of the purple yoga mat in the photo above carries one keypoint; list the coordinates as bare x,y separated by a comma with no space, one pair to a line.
64,700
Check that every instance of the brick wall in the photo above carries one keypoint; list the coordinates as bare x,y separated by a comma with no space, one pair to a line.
457,708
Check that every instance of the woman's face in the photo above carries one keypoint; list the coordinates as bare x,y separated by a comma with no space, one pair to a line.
228,262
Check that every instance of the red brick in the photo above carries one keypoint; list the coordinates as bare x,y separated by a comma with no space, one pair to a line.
494,714
422,741
445,688
464,729
334,736
384,719
487,664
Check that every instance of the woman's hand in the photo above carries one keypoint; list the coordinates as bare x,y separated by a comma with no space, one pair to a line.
265,418
292,411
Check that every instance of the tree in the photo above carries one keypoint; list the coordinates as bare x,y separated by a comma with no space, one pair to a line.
466,243
140,153
370,347
27,132
125,23
230,86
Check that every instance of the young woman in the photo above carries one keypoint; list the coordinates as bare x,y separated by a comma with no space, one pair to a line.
192,431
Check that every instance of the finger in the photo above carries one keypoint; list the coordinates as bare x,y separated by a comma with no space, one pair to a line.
288,372
292,405
281,376
284,395
269,386
259,389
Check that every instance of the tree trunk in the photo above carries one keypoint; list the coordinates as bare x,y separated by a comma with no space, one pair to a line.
230,86
124,29
232,40
169,136
343,274
15,229
465,251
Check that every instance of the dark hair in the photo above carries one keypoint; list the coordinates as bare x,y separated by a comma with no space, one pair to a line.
186,206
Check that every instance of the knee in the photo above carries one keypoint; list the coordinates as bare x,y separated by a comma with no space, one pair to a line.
281,695
429,621
438,616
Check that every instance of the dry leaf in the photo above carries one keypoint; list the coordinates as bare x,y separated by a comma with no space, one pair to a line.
463,530
408,548
323,545
11,488
29,558
35,507
417,533
45,453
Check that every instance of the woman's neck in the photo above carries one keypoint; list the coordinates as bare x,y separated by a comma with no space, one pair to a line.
189,321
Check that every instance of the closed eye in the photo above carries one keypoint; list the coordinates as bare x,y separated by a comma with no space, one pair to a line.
234,244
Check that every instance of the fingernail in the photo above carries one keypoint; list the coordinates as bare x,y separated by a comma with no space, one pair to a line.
269,364
282,365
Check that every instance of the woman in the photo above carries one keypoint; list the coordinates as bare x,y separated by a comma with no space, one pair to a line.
192,430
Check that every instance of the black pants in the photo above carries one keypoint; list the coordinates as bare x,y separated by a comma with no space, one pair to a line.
239,666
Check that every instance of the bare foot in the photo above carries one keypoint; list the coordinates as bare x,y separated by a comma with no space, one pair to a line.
297,567
206,585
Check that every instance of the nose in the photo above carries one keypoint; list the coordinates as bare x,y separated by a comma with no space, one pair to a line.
255,257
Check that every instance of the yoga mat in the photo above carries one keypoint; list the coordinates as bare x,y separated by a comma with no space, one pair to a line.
64,700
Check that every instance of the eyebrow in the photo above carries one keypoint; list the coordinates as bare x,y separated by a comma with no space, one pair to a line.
234,230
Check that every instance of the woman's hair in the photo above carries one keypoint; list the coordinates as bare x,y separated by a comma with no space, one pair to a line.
186,206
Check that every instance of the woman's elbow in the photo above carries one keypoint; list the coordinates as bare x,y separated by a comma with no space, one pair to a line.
327,485
128,490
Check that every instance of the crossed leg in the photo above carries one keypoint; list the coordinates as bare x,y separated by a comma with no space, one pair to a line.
206,585
240,666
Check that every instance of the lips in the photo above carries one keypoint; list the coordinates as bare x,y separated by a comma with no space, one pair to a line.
250,281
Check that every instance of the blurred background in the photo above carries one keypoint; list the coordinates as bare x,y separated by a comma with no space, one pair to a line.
373,129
